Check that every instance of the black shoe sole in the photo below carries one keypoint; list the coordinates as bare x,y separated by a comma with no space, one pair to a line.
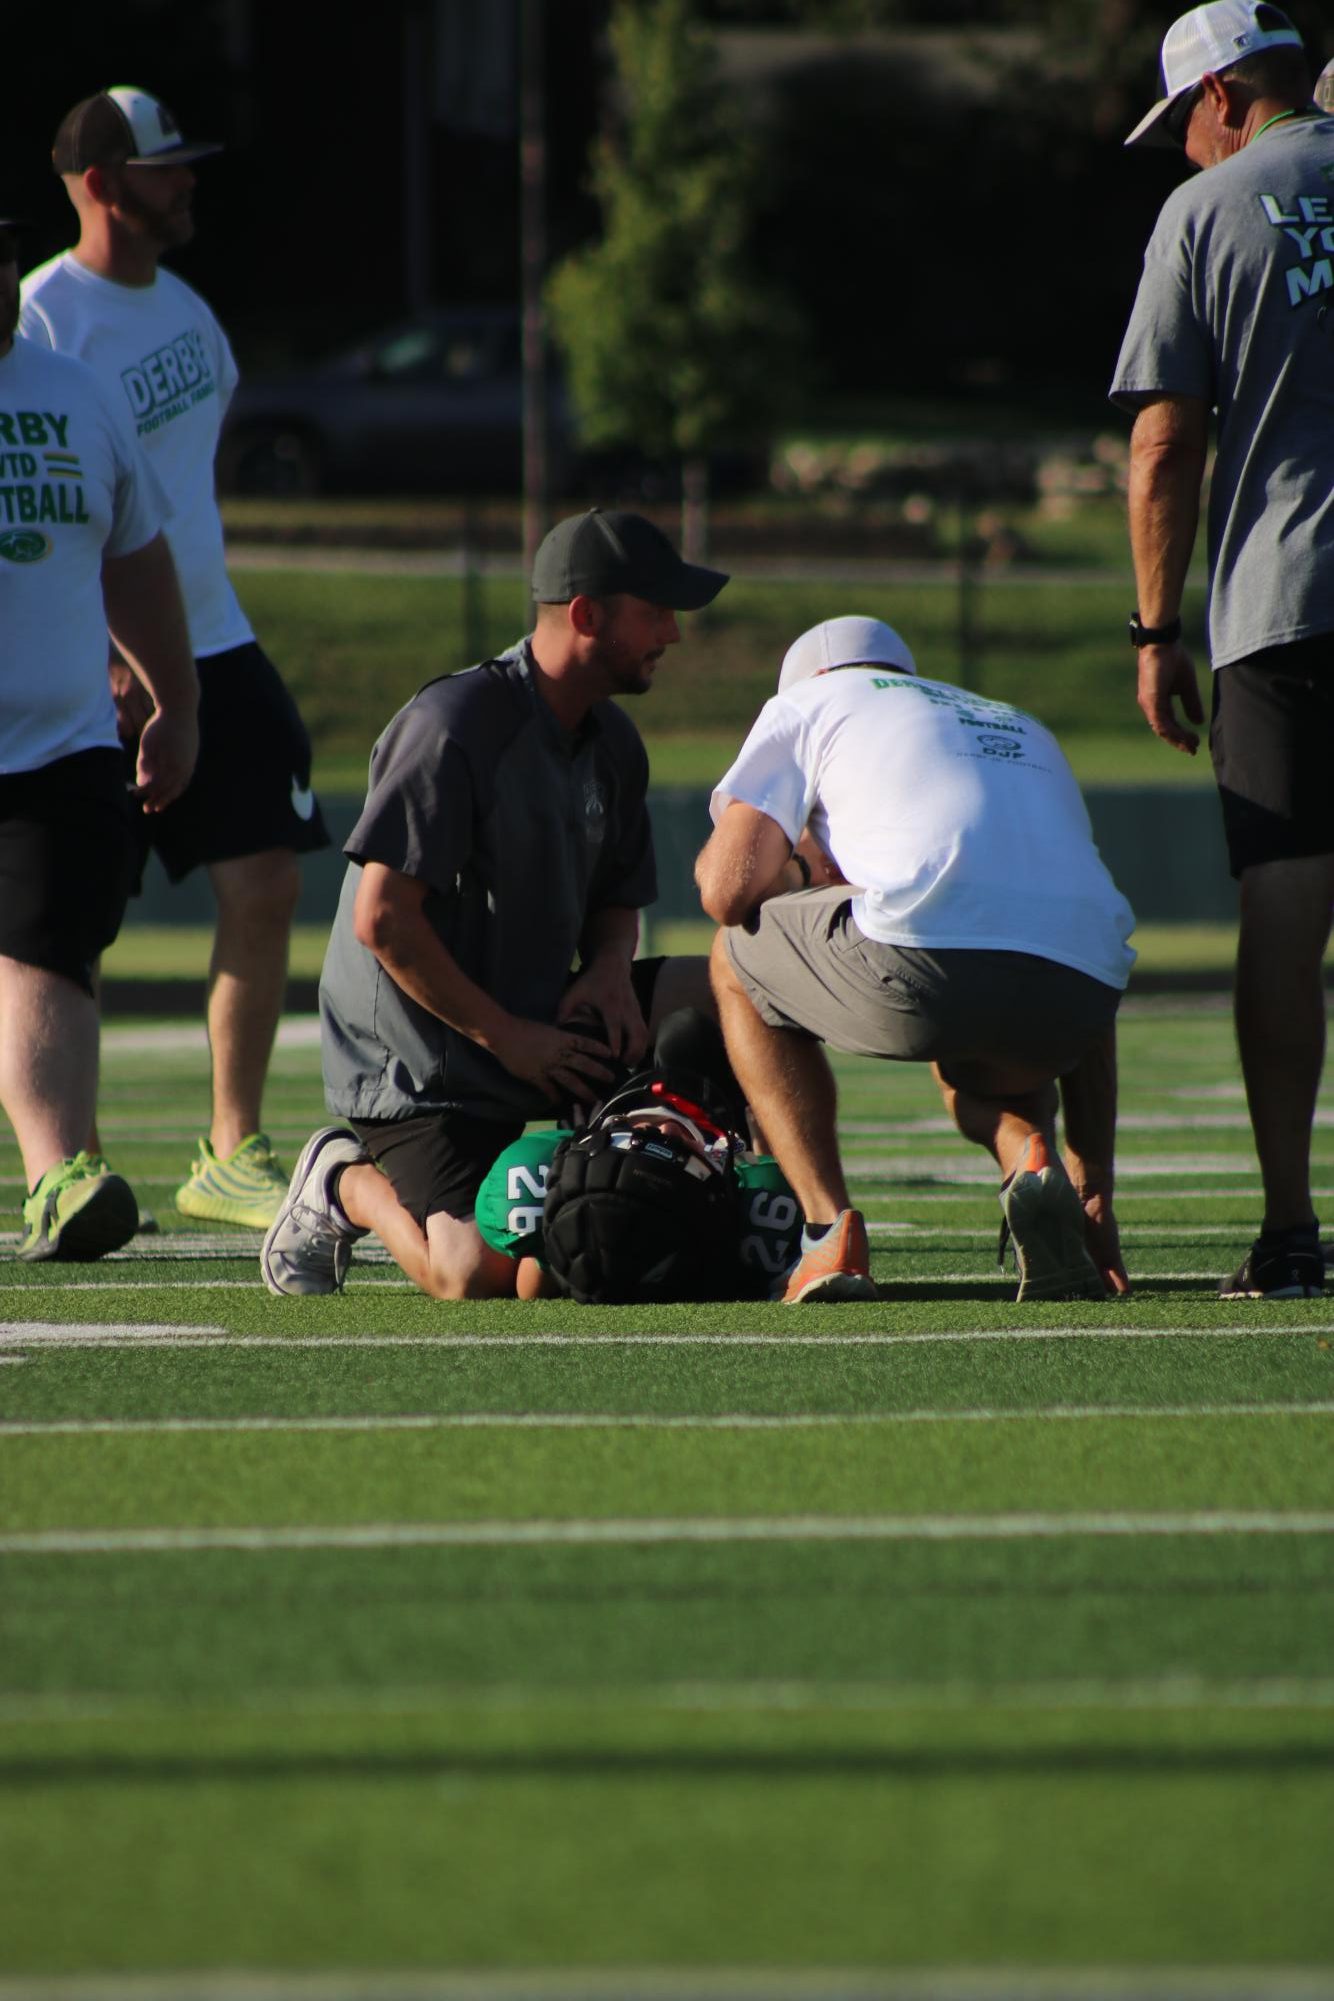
108,1219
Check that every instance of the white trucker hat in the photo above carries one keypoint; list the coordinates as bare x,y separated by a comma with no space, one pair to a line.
844,642
1205,41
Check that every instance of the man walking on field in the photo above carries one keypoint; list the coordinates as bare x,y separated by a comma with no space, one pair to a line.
89,552
249,810
1233,316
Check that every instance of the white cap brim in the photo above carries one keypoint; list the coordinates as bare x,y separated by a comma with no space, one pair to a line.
1152,128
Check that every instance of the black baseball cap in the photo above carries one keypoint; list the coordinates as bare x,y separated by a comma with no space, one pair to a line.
603,555
123,127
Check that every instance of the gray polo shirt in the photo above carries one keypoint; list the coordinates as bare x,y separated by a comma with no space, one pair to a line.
1236,306
522,832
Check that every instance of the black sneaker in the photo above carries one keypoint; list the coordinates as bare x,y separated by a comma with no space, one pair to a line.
1289,1264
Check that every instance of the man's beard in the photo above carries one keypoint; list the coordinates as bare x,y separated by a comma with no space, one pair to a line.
167,228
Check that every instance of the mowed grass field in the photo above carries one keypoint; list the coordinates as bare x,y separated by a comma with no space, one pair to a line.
369,1646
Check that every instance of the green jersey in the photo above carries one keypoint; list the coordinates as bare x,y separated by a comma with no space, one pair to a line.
509,1209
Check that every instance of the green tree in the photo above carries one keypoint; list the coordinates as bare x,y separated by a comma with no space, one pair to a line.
673,345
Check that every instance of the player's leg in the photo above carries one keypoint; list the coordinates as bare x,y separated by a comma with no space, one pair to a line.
48,1064
246,817
1273,719
247,981
64,879
1280,1020
788,1083
776,1002
1006,1026
414,1183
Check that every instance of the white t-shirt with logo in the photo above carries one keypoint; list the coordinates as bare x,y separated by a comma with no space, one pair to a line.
74,487
159,347
957,819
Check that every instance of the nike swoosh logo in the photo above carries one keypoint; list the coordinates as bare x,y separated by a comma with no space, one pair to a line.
303,802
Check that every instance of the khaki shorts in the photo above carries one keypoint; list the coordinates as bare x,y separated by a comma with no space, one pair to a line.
806,966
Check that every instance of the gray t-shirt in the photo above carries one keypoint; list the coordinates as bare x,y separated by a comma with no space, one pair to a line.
522,832
1236,306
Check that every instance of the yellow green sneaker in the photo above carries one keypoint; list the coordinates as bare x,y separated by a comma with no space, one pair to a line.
248,1187
78,1210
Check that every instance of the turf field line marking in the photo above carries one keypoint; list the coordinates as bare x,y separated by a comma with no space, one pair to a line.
499,1420
20,1710
679,1529
12,1334
55,1334
734,1982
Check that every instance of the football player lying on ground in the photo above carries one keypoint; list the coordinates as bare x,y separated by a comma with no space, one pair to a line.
655,1196
983,936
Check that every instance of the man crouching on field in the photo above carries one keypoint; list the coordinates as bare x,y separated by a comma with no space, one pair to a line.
984,937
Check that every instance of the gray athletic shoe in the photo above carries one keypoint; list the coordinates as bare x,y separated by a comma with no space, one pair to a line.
307,1250
1044,1218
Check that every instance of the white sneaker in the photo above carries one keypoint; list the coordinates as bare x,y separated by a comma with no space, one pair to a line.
307,1250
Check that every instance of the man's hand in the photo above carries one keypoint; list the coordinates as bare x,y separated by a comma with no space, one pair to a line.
1167,675
825,871
605,989
1104,1243
134,704
168,747
559,1062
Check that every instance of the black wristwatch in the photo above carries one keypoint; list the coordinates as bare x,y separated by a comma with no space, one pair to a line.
1153,635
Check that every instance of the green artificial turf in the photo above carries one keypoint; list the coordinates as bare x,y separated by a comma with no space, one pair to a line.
393,1645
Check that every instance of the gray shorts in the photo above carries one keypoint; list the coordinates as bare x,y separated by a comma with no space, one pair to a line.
806,966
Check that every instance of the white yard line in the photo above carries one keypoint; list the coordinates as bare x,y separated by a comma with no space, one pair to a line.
1169,1691
676,1529
501,1420
729,1983
56,1334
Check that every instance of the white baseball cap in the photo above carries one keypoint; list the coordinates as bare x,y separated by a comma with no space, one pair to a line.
844,642
1205,41
1324,88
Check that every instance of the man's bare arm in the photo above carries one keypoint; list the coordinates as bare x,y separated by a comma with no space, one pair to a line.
746,859
146,619
1168,448
390,920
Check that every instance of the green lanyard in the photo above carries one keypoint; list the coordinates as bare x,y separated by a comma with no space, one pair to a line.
1277,117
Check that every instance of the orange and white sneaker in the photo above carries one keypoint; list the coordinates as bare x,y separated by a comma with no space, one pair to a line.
1044,1218
838,1267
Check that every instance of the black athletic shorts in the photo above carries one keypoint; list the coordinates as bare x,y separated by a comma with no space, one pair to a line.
1272,739
251,787
437,1161
67,862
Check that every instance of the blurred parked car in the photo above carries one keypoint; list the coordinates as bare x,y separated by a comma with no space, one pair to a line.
431,405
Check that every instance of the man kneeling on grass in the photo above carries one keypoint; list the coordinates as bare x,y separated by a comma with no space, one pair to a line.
505,835
984,936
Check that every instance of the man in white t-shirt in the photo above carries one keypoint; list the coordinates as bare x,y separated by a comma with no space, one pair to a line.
81,548
249,811
906,870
